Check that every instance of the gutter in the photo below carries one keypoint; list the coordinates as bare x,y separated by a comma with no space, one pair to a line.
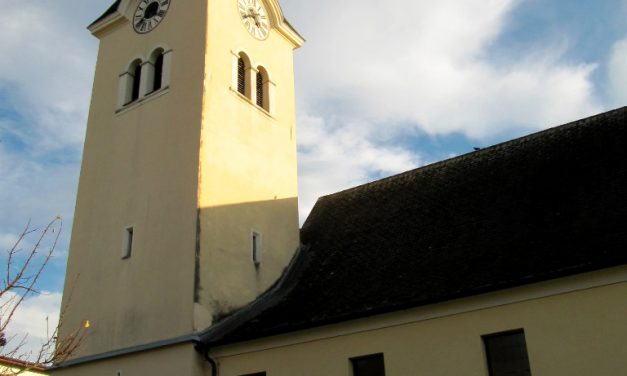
215,333
190,338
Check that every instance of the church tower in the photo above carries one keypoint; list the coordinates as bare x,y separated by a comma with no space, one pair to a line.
187,205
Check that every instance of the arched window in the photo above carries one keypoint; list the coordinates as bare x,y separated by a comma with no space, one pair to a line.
137,77
263,89
243,73
145,76
158,77
241,76
130,89
157,70
259,89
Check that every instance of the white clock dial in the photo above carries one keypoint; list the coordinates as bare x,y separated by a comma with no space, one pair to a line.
149,14
255,18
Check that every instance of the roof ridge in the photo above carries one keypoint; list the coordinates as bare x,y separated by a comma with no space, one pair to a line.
489,149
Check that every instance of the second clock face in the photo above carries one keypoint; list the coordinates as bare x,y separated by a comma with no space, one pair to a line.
255,18
149,14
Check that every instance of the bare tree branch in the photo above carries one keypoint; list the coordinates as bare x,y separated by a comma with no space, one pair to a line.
23,271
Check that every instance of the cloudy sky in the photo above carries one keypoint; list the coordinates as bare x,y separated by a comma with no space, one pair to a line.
383,86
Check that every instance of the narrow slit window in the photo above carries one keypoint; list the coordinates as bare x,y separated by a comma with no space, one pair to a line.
260,90
256,248
369,365
506,354
241,76
255,374
127,249
158,79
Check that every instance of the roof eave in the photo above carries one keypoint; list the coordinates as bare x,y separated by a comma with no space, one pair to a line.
286,30
96,27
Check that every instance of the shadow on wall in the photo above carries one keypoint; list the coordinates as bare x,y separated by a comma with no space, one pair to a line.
242,249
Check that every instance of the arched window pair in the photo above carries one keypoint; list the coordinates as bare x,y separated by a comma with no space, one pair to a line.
144,77
254,84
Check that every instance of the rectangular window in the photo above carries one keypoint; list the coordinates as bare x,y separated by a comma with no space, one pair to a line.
256,248
127,247
370,365
507,354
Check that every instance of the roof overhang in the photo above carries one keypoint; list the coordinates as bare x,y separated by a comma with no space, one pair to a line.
117,11
281,24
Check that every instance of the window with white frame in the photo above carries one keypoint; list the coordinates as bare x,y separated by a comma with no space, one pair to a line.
155,71
158,75
144,77
130,83
253,83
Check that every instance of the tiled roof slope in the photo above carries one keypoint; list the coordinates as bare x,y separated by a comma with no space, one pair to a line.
544,206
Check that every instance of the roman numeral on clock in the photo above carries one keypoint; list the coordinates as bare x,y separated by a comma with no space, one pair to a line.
149,13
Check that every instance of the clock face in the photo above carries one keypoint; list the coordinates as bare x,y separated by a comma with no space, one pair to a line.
149,14
255,18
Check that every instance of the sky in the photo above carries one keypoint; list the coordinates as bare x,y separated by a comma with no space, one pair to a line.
383,86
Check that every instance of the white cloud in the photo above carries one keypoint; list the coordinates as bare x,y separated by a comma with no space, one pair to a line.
336,157
7,241
617,73
426,65
35,319
45,72
373,72
35,191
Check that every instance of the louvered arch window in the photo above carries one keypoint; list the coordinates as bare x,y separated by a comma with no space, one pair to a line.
260,91
244,78
241,76
263,88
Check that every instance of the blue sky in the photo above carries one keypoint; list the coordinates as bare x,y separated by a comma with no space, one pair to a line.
383,86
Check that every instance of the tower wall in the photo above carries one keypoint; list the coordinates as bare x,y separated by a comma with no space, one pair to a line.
248,168
140,169
188,172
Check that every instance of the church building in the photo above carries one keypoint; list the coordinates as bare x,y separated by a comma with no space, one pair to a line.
187,259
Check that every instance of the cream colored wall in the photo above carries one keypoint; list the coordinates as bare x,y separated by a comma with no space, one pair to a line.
140,168
568,333
195,156
9,370
180,360
247,169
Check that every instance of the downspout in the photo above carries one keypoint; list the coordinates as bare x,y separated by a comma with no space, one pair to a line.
214,364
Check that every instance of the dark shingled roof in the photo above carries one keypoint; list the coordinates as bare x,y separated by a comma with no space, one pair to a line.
108,12
540,207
